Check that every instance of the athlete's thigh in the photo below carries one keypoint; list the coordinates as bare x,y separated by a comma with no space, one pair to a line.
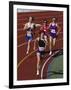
50,39
54,40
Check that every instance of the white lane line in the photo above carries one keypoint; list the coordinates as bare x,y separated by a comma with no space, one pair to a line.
46,63
32,41
24,44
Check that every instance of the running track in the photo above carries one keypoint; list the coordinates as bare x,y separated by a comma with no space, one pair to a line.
26,64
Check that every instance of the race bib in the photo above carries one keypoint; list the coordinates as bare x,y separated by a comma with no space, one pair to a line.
53,31
29,34
31,25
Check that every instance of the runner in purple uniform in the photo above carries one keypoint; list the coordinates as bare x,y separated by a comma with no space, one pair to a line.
54,31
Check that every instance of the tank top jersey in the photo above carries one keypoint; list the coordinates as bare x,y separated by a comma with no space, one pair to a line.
44,28
30,26
41,43
53,28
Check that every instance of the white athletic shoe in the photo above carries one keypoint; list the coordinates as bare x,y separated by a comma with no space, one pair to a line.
37,72
50,53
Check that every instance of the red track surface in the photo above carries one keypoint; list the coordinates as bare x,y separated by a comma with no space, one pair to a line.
26,64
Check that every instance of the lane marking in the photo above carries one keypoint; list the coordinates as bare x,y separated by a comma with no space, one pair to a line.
20,36
25,58
25,34
24,43
32,41
35,32
46,63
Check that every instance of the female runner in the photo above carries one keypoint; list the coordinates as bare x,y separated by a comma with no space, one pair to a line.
41,49
44,28
29,26
54,31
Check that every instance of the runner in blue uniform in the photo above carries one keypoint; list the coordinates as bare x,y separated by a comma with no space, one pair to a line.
29,27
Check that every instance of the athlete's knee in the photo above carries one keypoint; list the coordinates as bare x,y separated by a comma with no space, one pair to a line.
54,42
29,41
50,40
38,54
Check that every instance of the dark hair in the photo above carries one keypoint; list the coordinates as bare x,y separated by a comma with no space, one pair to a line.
31,17
44,21
54,18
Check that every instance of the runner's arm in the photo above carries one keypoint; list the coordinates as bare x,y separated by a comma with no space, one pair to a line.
59,29
49,29
46,41
49,26
37,25
35,42
26,27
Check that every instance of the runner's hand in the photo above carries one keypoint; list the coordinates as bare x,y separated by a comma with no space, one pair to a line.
34,48
57,33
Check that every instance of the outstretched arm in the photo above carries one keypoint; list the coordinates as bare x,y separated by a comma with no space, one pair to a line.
25,27
37,25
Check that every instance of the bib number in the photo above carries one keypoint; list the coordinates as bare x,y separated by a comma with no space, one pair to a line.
29,34
53,31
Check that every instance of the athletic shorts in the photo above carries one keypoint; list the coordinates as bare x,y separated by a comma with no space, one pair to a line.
29,37
41,52
46,34
53,35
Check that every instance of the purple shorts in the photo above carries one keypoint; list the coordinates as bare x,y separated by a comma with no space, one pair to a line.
53,35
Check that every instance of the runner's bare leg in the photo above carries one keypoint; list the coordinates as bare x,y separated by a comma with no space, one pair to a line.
28,47
38,63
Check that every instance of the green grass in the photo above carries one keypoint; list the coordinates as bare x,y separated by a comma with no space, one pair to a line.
55,68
